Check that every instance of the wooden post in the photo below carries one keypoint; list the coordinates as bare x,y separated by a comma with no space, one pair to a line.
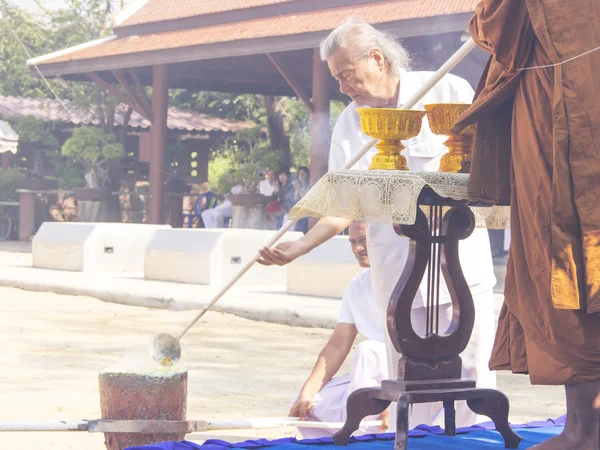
320,129
160,97
8,160
26,214
175,203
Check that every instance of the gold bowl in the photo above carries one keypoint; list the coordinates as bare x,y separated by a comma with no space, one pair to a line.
441,117
390,126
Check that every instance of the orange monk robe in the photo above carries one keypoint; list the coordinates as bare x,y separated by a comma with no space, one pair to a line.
538,144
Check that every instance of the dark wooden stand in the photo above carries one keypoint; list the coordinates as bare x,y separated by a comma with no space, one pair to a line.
430,367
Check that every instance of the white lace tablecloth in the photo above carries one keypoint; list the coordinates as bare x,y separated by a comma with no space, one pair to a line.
388,196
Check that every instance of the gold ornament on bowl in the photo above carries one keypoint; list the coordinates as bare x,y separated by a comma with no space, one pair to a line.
441,117
390,126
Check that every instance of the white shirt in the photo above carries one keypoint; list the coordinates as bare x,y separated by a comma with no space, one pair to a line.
359,307
265,188
388,252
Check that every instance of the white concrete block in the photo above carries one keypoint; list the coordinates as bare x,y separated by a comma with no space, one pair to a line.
62,246
211,256
92,247
324,272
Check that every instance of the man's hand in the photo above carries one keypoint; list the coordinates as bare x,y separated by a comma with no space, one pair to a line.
282,254
301,407
384,420
286,252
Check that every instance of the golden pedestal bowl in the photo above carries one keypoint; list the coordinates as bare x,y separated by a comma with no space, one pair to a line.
441,117
390,126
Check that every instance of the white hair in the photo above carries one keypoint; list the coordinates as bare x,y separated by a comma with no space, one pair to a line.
358,38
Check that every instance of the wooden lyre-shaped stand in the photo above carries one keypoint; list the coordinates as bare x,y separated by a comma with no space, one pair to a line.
430,367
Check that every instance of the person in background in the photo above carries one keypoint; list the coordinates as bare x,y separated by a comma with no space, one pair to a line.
268,186
215,217
206,194
302,186
286,195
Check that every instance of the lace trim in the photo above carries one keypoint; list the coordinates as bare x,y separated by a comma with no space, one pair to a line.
388,196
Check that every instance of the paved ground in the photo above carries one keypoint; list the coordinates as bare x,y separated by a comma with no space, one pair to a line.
266,303
55,345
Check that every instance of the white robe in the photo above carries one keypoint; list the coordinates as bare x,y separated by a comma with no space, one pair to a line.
215,217
368,366
388,251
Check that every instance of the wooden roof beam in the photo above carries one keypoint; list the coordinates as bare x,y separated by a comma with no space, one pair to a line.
118,94
292,82
120,76
146,103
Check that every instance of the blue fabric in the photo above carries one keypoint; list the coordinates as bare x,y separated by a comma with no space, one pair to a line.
423,437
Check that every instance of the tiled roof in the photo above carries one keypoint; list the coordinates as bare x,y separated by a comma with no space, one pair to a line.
162,10
52,111
286,25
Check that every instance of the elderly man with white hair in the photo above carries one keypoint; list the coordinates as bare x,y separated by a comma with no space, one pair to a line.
372,68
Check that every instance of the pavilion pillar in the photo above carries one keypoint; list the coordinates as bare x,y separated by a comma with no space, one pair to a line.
26,214
8,160
320,129
160,99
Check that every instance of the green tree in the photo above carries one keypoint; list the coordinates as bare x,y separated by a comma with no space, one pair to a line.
23,36
17,29
93,148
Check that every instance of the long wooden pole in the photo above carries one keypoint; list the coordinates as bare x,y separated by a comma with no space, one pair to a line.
411,102
169,426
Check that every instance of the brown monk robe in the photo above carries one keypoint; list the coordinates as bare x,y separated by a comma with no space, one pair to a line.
538,144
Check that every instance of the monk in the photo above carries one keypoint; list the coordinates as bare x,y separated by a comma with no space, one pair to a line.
537,145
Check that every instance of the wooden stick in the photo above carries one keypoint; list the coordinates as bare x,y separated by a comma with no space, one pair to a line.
276,422
118,94
293,83
239,275
412,101
170,426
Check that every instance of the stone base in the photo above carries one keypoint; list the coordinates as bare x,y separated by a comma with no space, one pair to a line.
249,211
249,217
160,395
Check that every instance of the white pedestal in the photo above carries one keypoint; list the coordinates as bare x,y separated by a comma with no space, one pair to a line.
211,256
92,247
324,272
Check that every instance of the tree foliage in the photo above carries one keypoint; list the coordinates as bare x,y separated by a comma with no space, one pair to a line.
23,36
279,138
35,131
93,148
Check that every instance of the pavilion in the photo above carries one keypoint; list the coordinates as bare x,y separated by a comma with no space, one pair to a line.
249,46
196,132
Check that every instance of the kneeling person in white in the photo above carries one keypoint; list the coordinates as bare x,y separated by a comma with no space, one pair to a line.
323,398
